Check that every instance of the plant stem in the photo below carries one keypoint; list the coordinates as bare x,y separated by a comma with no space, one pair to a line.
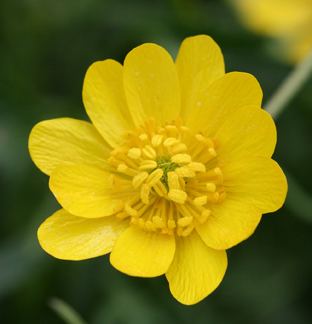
290,86
66,312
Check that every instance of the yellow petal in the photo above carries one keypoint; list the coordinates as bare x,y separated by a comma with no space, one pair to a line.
151,84
196,270
250,131
68,237
66,141
105,101
143,254
199,63
258,181
222,99
86,191
230,222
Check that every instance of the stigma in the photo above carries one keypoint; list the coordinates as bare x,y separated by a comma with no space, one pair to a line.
174,176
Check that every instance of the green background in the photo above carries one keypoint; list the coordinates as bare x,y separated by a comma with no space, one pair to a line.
45,49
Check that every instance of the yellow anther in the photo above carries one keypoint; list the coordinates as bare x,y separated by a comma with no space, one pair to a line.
200,201
171,224
197,167
134,220
143,137
157,140
134,153
177,196
181,158
204,215
150,226
149,152
139,179
170,141
185,172
213,197
158,221
123,168
204,140
122,215
178,148
211,187
173,180
222,196
212,152
148,165
131,211
185,221
144,193
187,231
154,177
171,127
216,172
160,189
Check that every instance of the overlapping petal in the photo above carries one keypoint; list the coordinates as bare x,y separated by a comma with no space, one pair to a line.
258,181
151,84
196,270
105,101
217,103
68,237
249,131
143,254
199,63
88,191
66,141
229,223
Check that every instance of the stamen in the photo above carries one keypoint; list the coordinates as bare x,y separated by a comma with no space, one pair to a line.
177,196
181,158
154,177
173,181
170,141
139,179
149,152
157,140
148,165
144,194
134,153
185,172
200,201
211,187
173,174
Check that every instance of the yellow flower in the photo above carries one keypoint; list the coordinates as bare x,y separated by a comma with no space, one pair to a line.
290,21
174,170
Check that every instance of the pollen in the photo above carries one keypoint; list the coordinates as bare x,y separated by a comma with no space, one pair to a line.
174,175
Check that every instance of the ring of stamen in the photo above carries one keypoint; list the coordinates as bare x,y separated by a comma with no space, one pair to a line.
175,178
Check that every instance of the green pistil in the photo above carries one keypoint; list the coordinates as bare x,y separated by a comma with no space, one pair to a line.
166,165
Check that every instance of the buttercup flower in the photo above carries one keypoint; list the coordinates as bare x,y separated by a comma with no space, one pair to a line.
175,168
289,21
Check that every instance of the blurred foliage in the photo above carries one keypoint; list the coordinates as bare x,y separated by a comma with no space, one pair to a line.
46,47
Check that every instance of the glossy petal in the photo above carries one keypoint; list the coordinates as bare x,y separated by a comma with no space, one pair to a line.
260,182
105,101
143,254
196,270
199,63
230,223
222,99
68,237
86,191
66,141
151,84
249,132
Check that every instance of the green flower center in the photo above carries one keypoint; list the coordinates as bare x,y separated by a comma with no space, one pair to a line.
165,163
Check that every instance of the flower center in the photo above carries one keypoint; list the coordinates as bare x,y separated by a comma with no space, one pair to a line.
173,177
